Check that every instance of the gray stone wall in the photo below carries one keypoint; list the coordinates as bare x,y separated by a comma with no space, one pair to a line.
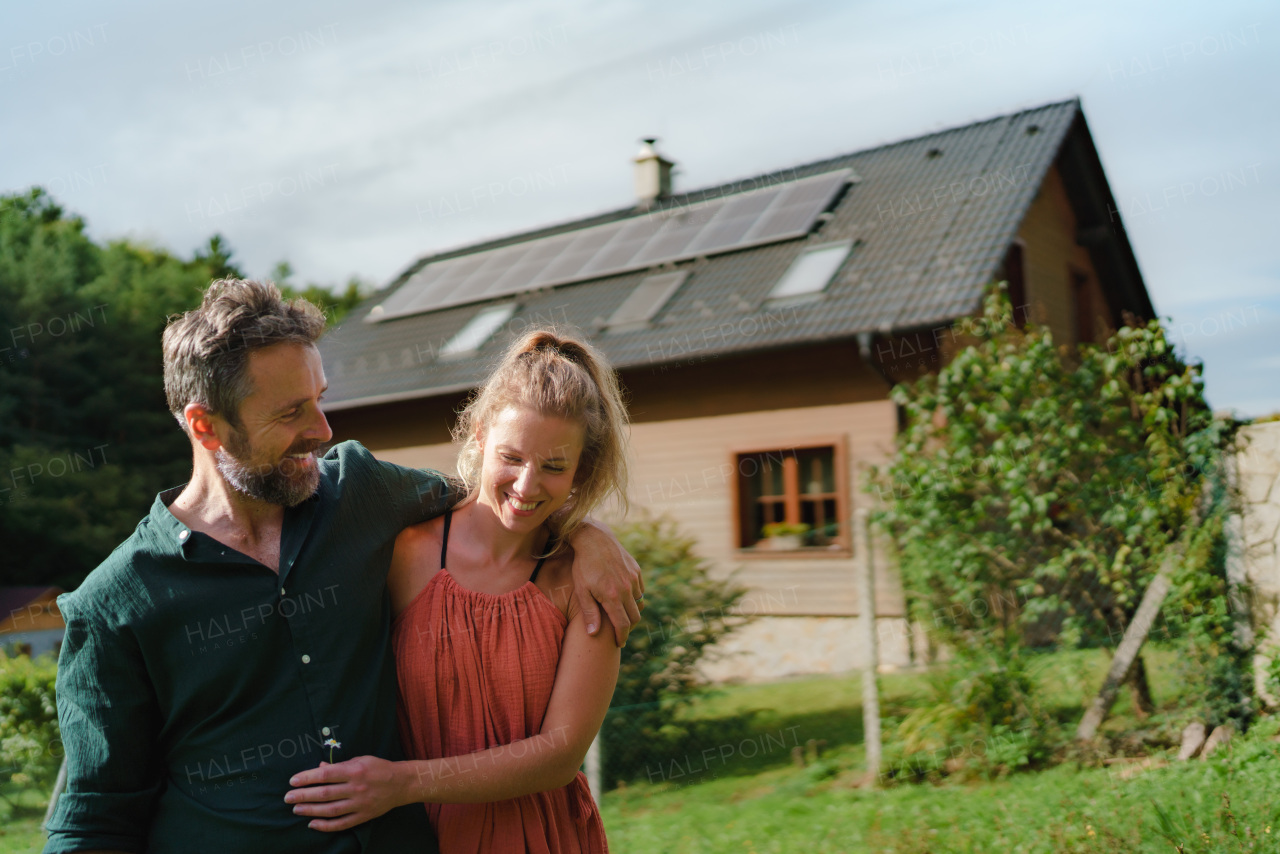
1258,469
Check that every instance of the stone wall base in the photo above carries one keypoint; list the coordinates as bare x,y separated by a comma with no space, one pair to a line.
771,648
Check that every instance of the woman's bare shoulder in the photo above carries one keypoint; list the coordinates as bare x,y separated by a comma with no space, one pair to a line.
556,580
421,534
415,559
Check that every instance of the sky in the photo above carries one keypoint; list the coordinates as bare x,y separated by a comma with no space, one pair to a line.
351,138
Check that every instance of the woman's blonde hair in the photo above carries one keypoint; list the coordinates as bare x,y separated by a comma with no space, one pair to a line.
559,376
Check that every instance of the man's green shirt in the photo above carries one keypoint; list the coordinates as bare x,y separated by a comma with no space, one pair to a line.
194,681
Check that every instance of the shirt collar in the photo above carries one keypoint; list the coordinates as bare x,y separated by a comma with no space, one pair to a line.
168,526
173,532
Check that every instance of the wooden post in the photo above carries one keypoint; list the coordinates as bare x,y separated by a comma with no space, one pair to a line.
595,768
58,785
867,607
1134,636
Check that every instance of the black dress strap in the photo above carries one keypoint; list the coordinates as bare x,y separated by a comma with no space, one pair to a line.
444,543
537,568
550,545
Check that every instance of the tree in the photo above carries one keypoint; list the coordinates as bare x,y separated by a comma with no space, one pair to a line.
1036,488
217,257
335,305
86,438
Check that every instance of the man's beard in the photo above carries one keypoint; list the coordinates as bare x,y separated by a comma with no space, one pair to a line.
285,484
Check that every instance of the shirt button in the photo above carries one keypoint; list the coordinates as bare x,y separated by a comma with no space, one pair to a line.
182,535
306,659
324,731
281,591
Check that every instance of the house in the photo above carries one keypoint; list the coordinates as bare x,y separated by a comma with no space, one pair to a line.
758,327
30,622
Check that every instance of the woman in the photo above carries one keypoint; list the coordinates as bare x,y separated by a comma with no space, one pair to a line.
501,688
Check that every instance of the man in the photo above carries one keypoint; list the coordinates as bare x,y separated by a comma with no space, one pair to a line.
241,634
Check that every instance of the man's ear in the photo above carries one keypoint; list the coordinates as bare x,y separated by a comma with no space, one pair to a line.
201,426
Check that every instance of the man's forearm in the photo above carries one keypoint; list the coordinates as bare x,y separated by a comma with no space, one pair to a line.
604,572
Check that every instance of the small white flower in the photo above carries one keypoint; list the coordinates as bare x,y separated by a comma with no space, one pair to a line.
332,743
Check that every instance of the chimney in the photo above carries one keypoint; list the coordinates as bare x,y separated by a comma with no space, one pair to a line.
653,175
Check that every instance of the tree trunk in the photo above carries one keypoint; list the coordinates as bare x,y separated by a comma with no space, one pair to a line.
1140,689
1134,636
58,785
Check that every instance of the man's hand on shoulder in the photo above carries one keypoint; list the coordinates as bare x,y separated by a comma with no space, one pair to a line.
605,575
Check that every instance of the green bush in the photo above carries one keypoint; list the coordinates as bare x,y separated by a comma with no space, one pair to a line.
983,719
30,750
686,611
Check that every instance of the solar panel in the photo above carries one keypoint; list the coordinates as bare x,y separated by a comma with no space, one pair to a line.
496,264
405,295
733,221
625,244
448,281
793,211
523,270
680,230
569,263
778,212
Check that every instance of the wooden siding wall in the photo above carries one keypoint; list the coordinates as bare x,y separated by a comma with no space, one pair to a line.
1052,253
686,469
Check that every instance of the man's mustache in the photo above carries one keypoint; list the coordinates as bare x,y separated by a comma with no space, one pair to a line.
305,448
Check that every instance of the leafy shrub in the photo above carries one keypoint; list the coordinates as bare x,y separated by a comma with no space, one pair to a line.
686,611
30,750
1035,492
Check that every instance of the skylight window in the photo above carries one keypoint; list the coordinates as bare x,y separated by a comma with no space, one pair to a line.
812,271
478,330
647,299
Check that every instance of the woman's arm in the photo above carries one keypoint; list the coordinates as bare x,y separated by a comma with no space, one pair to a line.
350,793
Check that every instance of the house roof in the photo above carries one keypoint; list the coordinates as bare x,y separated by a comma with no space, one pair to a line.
931,219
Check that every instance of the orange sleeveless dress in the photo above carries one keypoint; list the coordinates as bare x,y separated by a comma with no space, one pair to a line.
476,671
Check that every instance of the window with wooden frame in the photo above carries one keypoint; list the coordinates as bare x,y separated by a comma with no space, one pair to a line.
793,499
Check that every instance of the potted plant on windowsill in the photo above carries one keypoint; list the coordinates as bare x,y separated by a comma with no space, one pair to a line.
783,536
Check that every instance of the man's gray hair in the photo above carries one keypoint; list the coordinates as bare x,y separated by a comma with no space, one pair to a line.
206,350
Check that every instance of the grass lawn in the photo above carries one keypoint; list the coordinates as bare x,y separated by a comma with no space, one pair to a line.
747,794
1053,811
20,816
